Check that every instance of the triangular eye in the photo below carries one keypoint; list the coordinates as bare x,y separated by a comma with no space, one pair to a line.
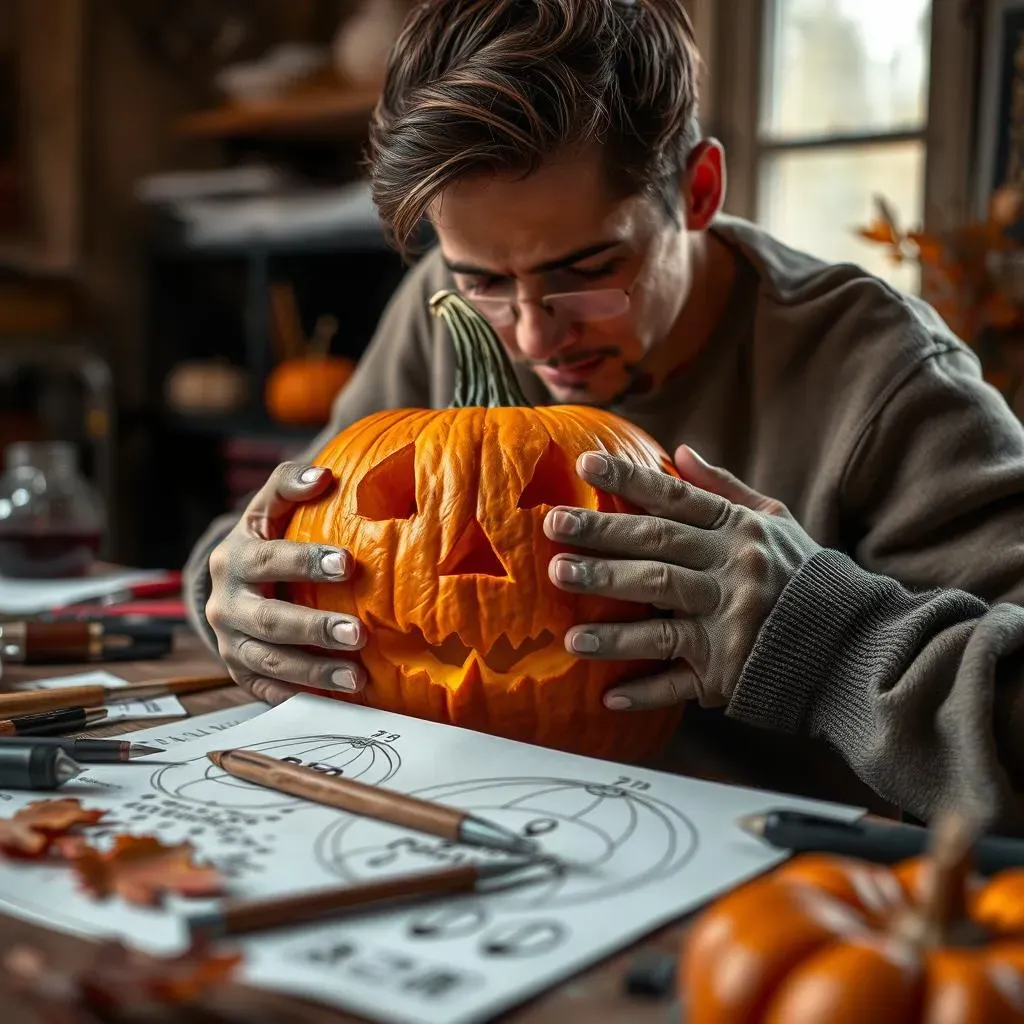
553,482
388,491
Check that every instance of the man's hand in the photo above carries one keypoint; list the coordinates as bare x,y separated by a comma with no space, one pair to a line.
259,637
712,551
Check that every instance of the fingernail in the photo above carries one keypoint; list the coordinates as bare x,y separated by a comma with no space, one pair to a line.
596,465
346,633
311,475
566,523
617,702
569,571
344,679
697,456
585,643
333,564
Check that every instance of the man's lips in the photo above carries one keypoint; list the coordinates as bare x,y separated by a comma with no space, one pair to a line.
573,372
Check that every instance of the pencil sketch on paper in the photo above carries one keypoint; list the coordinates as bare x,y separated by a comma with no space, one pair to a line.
237,820
199,781
592,825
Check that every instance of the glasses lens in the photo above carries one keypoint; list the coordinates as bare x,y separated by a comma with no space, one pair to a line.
498,311
601,304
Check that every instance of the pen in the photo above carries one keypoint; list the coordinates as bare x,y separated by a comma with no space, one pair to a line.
37,643
84,751
874,840
372,801
36,767
235,917
50,723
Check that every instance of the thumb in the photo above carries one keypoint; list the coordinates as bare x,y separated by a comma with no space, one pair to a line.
695,470
288,485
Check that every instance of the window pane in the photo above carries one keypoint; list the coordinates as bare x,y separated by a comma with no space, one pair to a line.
814,200
836,66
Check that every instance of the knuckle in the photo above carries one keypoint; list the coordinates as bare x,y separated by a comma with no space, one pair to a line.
263,660
215,614
665,640
263,622
663,586
220,560
753,560
258,558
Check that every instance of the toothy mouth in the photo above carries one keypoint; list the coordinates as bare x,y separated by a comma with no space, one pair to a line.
503,656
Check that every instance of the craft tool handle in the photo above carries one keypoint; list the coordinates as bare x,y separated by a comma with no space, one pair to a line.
879,841
31,767
39,643
255,915
32,701
345,794
46,723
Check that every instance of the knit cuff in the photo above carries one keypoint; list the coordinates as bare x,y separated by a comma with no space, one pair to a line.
825,636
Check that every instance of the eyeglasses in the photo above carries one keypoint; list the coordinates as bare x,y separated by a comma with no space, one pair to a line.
588,306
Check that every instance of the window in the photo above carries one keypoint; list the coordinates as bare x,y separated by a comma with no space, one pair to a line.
843,113
824,104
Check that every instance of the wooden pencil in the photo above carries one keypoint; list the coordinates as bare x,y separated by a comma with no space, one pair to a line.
238,916
371,801
30,701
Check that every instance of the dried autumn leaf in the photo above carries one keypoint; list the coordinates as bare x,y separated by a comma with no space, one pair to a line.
118,978
142,870
30,832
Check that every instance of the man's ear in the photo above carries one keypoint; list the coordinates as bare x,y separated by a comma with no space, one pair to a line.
704,184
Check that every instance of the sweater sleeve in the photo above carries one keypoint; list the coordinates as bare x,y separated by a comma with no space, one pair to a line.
908,657
920,692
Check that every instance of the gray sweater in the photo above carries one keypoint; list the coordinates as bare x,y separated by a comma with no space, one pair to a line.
899,646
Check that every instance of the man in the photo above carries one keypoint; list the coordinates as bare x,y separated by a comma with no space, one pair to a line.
847,564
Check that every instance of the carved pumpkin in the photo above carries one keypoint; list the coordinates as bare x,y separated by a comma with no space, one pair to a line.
831,939
443,513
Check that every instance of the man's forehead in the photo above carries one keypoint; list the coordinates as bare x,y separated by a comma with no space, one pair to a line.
490,227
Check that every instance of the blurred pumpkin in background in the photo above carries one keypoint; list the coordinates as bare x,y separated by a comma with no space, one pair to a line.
301,390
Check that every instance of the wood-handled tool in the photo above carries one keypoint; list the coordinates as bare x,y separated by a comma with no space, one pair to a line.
31,701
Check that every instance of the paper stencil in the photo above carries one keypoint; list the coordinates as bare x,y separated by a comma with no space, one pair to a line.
638,848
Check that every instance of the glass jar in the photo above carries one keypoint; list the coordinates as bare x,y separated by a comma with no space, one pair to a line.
51,517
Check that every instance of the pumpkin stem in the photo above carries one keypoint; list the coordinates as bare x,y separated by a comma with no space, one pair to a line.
323,333
944,911
483,370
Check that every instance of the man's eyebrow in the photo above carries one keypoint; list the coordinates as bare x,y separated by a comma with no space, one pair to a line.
458,267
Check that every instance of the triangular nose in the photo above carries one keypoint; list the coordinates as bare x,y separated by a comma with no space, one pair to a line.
472,555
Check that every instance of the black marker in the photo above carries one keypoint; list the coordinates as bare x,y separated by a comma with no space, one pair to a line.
880,841
36,767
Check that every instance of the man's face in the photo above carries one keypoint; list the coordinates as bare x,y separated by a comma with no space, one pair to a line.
563,230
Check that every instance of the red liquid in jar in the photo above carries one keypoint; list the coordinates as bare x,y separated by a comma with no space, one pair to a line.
47,555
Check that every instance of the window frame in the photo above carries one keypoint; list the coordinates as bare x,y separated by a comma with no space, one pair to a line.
731,41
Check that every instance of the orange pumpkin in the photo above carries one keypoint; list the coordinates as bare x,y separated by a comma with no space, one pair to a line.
301,391
443,513
831,939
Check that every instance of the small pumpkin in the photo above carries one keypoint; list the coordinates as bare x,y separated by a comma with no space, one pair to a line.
832,939
443,513
206,386
300,391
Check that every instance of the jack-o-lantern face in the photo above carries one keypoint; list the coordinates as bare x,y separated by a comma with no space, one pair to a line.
442,512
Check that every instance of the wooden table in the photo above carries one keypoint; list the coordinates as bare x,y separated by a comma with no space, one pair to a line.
597,995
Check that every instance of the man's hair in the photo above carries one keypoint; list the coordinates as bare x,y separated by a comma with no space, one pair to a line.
499,86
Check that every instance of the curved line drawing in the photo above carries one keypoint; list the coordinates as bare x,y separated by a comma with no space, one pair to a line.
202,782
524,938
454,921
599,827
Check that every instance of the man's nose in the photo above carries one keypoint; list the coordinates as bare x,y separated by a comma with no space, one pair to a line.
539,333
